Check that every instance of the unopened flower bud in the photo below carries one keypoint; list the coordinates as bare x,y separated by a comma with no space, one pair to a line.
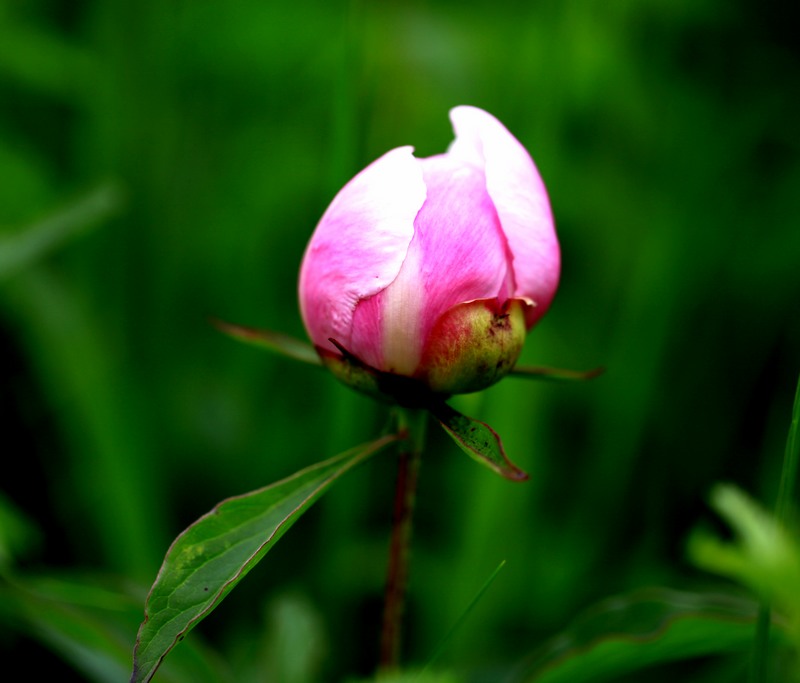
424,275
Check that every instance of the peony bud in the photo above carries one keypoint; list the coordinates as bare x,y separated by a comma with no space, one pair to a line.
424,275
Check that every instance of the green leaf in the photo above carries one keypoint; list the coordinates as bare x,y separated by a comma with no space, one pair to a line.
88,621
558,374
272,341
650,627
211,556
478,440
764,555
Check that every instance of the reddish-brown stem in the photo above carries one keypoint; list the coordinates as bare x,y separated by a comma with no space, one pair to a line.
397,571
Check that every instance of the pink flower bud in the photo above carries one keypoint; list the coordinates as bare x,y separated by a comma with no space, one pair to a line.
427,273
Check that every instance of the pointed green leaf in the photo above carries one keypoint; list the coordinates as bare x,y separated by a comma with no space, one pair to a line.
765,555
558,374
632,632
87,621
211,556
272,341
478,440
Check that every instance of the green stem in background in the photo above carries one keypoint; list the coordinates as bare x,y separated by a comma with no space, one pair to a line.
411,424
783,509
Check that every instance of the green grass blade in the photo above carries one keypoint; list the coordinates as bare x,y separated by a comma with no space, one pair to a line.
790,462
21,250
464,615
212,555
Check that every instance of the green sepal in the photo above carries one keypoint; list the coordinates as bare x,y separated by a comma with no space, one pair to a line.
555,374
211,556
272,341
478,440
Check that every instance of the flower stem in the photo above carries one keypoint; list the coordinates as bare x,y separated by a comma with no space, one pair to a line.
412,425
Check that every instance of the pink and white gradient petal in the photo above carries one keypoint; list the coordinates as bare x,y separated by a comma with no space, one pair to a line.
521,201
360,244
458,254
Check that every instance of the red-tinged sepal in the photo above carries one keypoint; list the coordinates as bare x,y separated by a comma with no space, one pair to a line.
478,440
555,374
272,341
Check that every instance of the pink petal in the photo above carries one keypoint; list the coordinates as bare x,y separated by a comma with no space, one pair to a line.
458,254
520,199
464,255
360,244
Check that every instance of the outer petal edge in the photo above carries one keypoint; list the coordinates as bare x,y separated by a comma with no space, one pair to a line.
521,201
360,243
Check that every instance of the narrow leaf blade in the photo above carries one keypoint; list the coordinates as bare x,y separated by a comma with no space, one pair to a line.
791,462
464,615
276,342
87,619
211,556
22,250
633,632
478,440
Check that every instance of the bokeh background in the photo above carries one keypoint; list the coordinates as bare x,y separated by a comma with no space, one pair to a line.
188,148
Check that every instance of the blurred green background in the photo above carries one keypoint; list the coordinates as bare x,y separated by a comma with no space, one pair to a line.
193,145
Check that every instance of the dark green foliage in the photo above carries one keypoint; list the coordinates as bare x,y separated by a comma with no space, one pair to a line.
666,133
